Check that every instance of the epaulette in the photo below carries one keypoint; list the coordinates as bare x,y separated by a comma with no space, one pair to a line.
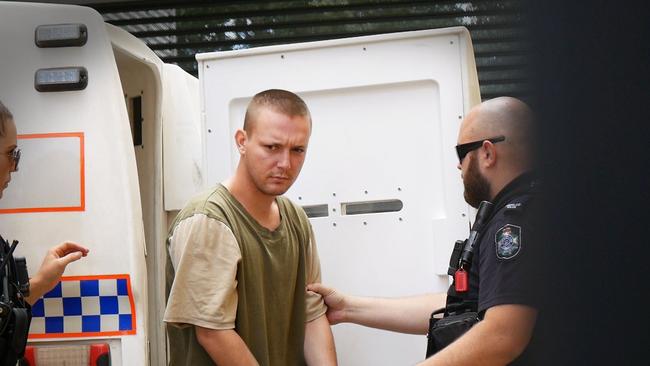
515,207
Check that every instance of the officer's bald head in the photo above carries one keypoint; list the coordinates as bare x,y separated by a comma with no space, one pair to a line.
503,116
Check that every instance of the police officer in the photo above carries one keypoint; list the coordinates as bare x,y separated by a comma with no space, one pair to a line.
495,159
47,276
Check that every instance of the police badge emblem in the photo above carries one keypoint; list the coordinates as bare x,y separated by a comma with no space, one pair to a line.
508,241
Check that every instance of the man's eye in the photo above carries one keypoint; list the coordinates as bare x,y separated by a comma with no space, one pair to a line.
272,147
299,150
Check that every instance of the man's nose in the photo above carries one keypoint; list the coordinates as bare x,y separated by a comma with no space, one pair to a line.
284,160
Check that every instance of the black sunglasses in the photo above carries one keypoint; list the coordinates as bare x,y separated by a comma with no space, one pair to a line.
15,156
464,149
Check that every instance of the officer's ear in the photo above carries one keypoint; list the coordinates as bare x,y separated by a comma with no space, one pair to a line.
488,154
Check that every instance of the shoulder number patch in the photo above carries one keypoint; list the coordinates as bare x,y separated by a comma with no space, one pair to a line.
508,241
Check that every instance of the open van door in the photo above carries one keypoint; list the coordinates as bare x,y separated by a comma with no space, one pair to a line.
88,101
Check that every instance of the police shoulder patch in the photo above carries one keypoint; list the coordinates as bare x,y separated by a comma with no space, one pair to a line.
508,241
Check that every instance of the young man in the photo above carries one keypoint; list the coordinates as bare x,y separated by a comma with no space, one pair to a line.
495,158
58,257
241,255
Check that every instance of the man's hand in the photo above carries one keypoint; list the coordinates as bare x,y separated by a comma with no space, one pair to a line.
335,301
402,314
53,266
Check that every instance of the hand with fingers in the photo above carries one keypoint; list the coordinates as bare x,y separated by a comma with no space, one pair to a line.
52,268
336,302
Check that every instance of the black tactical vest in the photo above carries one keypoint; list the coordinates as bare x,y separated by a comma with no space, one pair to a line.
15,312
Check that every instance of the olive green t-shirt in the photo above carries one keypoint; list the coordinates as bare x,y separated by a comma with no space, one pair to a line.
226,271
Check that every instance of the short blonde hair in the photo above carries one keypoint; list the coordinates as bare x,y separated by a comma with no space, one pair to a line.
281,101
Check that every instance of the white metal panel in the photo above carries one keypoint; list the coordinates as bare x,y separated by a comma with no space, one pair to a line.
111,222
171,112
386,111
40,168
183,152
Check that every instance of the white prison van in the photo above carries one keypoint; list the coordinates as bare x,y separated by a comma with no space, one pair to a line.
115,142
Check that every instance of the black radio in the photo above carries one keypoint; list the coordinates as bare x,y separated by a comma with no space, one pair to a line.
15,315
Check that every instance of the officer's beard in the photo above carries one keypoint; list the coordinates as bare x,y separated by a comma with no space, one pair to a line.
477,187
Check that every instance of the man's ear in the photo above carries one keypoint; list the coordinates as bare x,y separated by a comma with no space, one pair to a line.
488,154
241,138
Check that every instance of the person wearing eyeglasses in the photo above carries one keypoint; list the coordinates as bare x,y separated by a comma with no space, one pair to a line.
495,155
54,263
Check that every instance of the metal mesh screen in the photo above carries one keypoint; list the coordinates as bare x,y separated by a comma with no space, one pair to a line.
176,30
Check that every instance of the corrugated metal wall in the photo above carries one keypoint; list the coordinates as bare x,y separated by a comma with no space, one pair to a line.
176,30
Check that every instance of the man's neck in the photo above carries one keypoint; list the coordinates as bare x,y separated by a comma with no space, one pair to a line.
502,180
262,207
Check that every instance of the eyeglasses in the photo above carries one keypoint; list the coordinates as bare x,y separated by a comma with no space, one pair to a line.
15,155
464,149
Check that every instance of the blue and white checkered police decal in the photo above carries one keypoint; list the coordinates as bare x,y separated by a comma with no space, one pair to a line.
85,307
508,241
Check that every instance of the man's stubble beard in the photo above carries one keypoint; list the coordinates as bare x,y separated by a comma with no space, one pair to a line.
477,187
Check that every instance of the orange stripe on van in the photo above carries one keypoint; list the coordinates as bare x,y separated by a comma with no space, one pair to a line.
82,176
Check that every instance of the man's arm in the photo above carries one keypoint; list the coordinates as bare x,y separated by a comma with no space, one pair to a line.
225,347
52,268
404,315
205,253
498,339
319,342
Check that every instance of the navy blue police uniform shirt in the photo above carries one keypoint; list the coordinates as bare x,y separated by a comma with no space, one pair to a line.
506,250
505,269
